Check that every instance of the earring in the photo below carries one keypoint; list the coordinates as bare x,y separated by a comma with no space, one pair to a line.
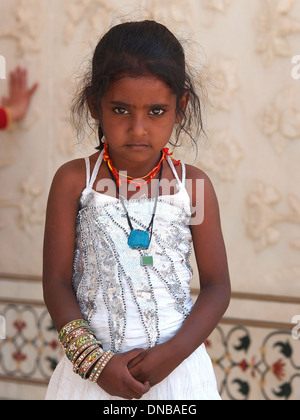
101,135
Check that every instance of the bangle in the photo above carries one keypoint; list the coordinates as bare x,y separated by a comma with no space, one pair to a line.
70,327
77,343
83,349
89,361
75,352
75,334
84,355
100,365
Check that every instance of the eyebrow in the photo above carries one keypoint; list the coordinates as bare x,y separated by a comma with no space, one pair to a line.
148,106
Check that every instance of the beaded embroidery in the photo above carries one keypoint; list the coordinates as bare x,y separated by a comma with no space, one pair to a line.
103,261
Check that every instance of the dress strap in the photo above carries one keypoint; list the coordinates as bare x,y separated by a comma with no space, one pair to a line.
182,182
91,179
183,173
88,171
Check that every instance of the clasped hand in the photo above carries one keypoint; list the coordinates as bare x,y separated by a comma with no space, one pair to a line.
130,375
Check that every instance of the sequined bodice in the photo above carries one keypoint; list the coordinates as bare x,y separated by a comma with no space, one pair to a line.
108,277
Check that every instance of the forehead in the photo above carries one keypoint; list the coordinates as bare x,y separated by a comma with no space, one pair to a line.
140,91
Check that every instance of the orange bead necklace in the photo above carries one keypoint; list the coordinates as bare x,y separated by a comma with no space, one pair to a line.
122,177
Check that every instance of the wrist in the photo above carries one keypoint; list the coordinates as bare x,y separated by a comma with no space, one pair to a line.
7,112
13,113
179,349
83,349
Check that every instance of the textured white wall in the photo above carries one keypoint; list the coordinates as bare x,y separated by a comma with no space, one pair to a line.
244,49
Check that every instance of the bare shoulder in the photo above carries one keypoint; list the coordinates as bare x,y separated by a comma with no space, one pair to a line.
202,194
71,176
194,173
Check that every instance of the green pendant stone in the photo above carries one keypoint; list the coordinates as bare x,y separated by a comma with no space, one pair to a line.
147,260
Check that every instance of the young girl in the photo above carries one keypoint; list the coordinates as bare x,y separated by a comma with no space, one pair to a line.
118,238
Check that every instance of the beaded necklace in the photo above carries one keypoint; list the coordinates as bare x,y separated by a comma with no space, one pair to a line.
119,177
140,239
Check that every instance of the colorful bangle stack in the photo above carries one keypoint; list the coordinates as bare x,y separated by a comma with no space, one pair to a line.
84,350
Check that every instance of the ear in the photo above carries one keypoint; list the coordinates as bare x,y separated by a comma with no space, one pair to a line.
182,105
93,108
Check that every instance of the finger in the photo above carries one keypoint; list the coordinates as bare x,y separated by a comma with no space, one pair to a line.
134,395
135,361
13,83
18,77
138,375
132,354
147,386
33,89
138,395
23,79
125,396
11,79
137,387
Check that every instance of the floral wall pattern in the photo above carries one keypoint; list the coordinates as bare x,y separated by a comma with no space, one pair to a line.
243,53
253,359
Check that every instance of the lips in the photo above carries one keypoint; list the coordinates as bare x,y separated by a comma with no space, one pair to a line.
137,146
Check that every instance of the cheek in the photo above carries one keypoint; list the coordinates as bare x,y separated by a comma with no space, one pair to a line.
111,124
168,124
115,132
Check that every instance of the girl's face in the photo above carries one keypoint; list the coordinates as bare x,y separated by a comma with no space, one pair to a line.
138,117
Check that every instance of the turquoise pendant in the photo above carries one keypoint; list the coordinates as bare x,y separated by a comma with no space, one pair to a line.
139,239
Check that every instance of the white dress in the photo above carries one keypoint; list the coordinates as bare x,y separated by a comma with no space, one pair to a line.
129,305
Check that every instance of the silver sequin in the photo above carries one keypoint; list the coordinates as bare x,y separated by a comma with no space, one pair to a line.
103,261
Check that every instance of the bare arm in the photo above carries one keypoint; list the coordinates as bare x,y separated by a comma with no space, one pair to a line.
59,245
215,289
157,363
59,296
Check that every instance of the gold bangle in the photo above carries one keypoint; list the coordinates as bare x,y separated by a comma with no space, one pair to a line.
83,356
79,350
77,343
89,361
71,326
96,372
75,334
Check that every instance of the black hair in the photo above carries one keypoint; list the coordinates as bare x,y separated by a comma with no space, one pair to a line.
136,49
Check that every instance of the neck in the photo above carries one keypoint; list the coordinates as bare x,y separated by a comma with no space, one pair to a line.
133,169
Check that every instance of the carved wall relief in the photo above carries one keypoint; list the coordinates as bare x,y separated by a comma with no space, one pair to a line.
274,26
94,13
25,27
224,157
262,218
280,120
252,153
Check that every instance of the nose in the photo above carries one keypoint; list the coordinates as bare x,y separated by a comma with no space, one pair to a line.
138,126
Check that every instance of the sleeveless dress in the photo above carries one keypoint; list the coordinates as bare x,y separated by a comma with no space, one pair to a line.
129,305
